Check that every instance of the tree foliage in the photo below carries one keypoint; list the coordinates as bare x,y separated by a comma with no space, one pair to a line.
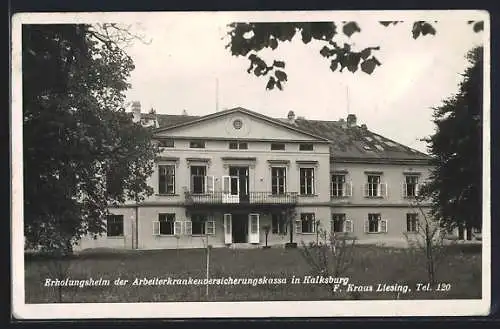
248,39
455,184
81,150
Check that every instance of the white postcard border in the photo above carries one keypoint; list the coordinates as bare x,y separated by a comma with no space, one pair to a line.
21,310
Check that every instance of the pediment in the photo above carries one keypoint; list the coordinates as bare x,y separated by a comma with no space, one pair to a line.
238,125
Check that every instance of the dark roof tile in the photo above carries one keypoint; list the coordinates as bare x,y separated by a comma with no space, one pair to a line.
353,142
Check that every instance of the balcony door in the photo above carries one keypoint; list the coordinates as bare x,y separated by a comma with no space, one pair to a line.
239,183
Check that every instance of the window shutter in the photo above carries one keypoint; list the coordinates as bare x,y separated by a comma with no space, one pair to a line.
210,229
348,226
298,226
227,228
365,191
383,189
188,227
226,183
417,188
348,189
191,184
405,194
367,226
177,228
383,226
210,184
156,227
162,179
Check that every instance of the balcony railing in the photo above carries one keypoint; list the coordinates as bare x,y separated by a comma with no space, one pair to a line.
253,198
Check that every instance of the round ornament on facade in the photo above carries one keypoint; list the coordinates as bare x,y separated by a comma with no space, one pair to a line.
237,124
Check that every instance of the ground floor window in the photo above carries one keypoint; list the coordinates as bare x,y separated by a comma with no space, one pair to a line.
278,224
166,224
412,222
340,224
198,224
114,225
375,224
202,225
308,223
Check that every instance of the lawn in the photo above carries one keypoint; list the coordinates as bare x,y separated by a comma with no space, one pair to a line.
460,268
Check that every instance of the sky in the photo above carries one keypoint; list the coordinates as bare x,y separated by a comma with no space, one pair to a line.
185,55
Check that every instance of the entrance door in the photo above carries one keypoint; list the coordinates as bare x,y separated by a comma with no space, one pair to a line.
253,223
240,228
239,182
228,229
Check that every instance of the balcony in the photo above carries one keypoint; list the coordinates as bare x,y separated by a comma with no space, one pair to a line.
238,200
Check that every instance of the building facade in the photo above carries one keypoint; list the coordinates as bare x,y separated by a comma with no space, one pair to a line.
240,179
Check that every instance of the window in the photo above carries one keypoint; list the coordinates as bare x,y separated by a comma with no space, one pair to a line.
277,146
308,223
166,182
338,182
166,224
114,225
235,145
197,144
278,180
410,188
198,224
338,222
166,143
375,224
306,181
412,222
198,174
278,224
373,189
306,147
202,225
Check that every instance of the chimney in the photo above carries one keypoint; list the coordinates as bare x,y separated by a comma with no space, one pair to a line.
184,112
351,120
136,111
291,116
364,127
342,123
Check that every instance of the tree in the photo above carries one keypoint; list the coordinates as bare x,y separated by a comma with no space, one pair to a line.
82,152
332,254
455,183
428,238
290,215
267,229
248,39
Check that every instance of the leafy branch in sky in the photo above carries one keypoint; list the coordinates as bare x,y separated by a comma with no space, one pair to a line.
248,39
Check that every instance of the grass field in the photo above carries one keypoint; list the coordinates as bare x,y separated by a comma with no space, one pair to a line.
461,268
